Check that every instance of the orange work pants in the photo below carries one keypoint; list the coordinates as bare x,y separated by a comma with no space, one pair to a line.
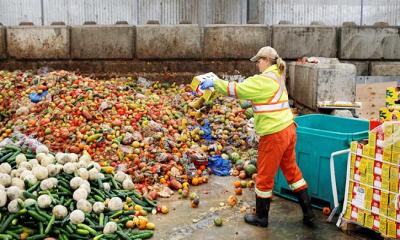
274,151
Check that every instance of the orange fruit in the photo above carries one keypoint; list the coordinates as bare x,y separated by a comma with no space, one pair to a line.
238,191
236,184
195,181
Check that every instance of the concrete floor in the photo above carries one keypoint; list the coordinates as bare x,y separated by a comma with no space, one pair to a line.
184,222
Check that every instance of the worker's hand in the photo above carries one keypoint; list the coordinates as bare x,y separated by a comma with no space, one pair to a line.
206,84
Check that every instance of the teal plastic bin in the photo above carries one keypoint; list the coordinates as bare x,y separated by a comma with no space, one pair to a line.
318,136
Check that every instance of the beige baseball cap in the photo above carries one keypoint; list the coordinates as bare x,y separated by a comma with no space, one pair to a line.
265,52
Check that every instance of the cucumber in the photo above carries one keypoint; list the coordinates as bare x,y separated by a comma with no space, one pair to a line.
5,157
36,237
12,147
86,227
50,225
82,232
142,235
7,222
123,235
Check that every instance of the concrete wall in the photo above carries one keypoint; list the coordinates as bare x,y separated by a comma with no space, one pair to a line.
234,44
372,42
293,42
2,42
102,42
169,42
32,42
385,69
221,41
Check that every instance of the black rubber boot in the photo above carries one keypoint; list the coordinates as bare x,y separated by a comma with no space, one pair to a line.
261,217
305,204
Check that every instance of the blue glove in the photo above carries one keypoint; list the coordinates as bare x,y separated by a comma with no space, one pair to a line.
206,84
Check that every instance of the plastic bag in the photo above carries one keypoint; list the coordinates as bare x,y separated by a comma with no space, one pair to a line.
35,97
219,166
207,130
252,137
143,82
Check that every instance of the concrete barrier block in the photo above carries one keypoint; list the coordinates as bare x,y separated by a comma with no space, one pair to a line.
362,67
168,42
385,68
369,42
2,42
38,42
324,82
293,41
235,41
102,42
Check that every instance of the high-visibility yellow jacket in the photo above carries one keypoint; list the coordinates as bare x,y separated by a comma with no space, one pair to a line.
269,98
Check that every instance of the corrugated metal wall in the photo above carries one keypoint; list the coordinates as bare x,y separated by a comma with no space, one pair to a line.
76,12
364,12
306,11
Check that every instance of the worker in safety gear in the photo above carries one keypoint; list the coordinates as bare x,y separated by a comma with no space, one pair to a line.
274,124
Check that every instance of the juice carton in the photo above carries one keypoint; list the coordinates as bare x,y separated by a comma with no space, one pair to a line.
382,225
384,203
377,181
368,198
385,176
197,80
394,179
358,198
385,114
375,207
369,220
354,213
391,206
392,93
347,214
391,228
376,223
